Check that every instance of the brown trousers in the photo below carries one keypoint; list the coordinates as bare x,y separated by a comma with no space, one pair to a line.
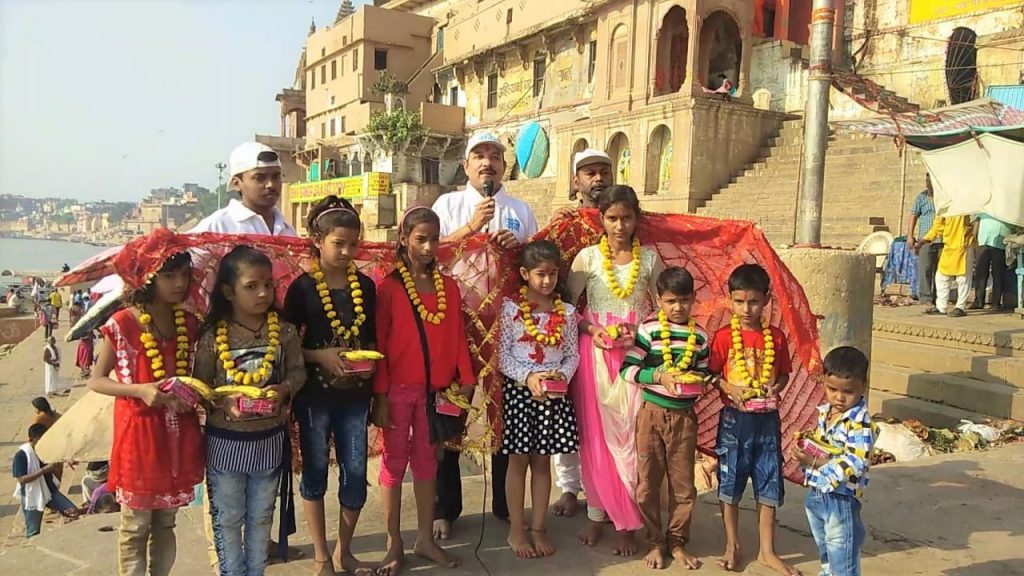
146,542
666,441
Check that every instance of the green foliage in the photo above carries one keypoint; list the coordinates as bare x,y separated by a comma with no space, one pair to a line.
118,210
208,201
389,84
395,130
64,218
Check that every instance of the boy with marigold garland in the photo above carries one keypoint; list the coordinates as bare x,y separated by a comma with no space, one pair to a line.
753,360
669,359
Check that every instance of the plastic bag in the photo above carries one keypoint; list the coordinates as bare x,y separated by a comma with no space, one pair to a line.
902,443
988,433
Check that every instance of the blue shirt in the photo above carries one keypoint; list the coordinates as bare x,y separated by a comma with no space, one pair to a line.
924,209
847,472
992,232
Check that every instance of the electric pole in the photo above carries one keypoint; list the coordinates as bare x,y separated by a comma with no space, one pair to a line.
221,167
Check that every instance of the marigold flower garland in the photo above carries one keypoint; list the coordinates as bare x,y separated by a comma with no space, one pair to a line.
666,350
266,368
552,338
609,269
346,333
156,359
410,288
740,363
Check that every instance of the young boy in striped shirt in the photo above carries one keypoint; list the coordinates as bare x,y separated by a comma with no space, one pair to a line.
837,480
669,359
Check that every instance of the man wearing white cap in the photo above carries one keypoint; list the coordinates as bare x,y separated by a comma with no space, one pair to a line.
256,175
483,206
591,173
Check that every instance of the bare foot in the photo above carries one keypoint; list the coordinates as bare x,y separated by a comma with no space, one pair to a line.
519,541
688,561
655,560
431,551
541,544
566,505
350,564
730,560
273,556
775,563
391,565
591,534
323,568
626,545
442,529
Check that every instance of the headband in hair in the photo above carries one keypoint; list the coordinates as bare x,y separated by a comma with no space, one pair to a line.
335,209
401,221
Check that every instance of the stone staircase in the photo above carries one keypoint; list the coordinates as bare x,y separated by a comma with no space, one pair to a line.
870,94
863,187
942,370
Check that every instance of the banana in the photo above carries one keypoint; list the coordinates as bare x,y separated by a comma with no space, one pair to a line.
362,355
612,331
454,396
809,437
252,392
692,378
196,385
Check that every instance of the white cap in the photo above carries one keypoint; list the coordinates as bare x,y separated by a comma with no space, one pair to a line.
252,155
483,138
590,156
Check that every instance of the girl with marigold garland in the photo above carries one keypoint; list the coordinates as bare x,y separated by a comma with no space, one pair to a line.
752,357
620,280
333,306
157,456
416,302
538,345
245,343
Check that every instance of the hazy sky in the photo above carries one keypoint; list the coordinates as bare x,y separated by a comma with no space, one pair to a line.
105,100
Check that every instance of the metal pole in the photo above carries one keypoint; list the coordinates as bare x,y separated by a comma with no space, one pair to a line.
812,177
221,167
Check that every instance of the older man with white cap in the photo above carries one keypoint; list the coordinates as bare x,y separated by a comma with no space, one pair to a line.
591,173
256,175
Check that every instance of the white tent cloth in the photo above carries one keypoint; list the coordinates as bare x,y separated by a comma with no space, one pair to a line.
983,174
84,433
107,284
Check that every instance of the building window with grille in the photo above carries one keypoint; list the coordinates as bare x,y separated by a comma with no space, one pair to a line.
334,69
312,79
334,126
323,129
323,73
342,124
453,96
355,59
380,59
592,64
492,90
440,40
540,66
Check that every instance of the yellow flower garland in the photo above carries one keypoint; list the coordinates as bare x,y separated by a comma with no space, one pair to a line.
740,363
156,359
609,269
555,337
262,374
410,288
666,343
346,333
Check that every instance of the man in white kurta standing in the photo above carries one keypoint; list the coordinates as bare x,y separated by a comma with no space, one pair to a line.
483,207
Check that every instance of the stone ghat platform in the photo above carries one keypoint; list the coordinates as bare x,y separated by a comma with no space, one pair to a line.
942,370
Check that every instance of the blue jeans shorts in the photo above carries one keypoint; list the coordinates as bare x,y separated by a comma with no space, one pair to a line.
750,448
838,531
347,423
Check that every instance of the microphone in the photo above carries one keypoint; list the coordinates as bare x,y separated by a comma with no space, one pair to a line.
488,193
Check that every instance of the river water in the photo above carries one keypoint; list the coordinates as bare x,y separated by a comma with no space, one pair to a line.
21,254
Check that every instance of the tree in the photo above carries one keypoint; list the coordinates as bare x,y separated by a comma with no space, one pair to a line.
208,200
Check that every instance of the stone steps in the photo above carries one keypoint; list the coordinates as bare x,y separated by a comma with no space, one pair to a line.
980,396
892,405
1008,370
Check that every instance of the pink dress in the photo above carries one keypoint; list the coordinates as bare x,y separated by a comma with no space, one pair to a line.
606,407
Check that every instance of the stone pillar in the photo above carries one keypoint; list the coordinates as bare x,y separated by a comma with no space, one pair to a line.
840,289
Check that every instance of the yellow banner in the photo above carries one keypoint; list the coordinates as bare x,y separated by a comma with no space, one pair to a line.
351,187
926,10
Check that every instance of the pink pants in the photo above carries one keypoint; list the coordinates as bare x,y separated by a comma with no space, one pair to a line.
407,440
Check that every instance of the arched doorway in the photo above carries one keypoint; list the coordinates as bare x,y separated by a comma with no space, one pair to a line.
962,66
618,72
618,150
659,160
357,164
721,49
580,145
344,165
673,43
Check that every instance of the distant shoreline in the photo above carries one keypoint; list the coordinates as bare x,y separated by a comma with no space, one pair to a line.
69,239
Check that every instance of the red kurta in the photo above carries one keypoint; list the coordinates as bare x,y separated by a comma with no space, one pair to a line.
158,455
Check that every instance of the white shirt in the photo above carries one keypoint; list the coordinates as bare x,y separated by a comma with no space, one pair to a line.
455,209
236,218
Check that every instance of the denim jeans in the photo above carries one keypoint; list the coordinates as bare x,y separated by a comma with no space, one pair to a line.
750,448
34,518
347,423
838,531
240,499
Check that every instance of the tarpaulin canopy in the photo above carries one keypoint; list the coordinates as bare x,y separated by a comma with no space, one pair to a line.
973,151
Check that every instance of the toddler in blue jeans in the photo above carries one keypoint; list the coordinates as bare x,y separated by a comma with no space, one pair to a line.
836,460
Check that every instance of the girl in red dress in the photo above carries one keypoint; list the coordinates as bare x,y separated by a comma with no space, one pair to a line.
158,454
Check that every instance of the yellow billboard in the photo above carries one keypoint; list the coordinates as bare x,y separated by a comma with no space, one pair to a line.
351,187
926,10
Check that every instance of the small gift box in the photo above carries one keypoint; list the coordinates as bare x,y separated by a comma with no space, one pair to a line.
255,407
553,387
769,404
181,391
444,407
689,390
358,366
813,448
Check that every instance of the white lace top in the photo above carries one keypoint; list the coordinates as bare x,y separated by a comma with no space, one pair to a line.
588,274
519,354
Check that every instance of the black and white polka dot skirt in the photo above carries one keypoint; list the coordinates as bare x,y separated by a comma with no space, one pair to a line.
533,427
